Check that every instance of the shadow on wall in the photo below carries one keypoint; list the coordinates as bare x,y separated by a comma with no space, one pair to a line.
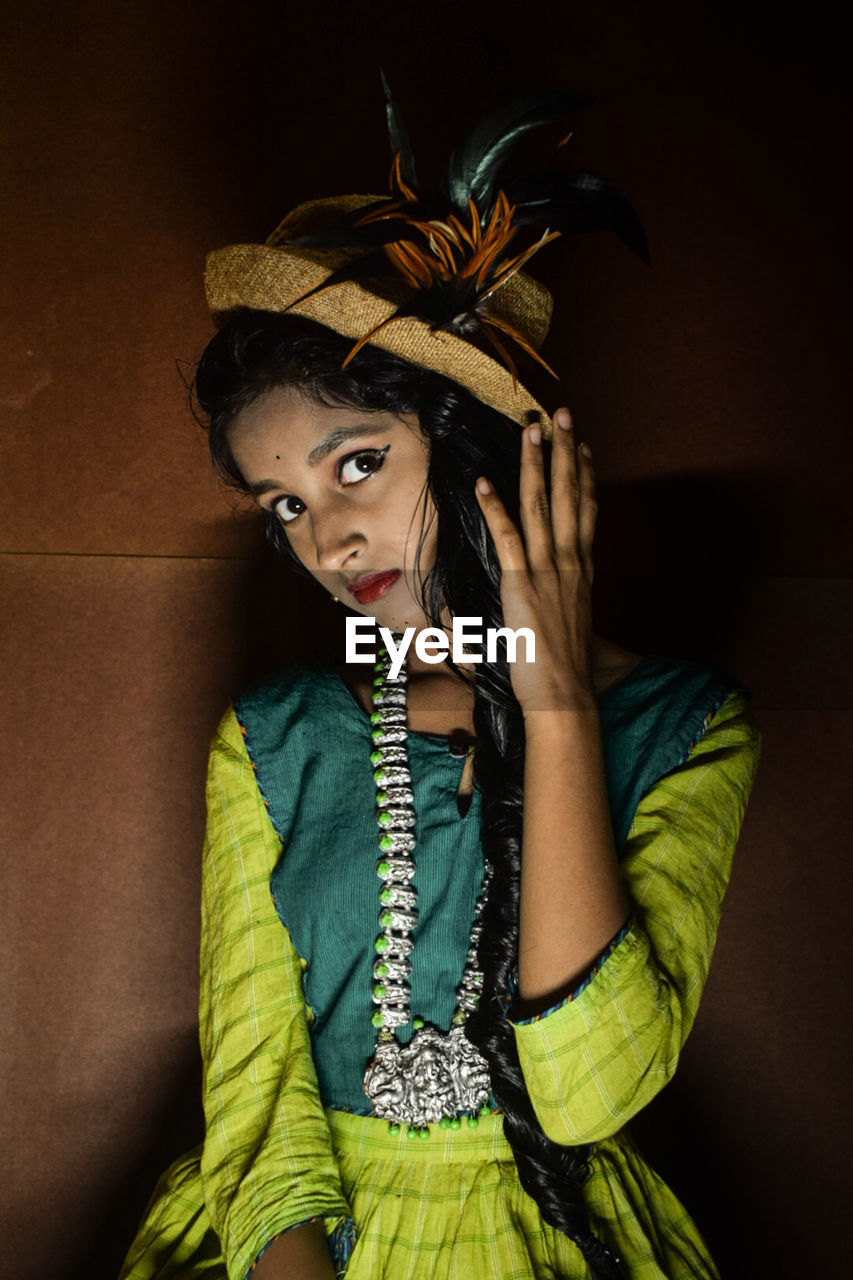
674,558
179,1128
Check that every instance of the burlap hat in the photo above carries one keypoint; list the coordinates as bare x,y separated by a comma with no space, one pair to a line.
276,275
435,278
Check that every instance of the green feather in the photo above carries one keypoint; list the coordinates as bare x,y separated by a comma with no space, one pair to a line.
574,202
399,138
474,166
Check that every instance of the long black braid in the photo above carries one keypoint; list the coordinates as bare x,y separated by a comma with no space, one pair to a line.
256,351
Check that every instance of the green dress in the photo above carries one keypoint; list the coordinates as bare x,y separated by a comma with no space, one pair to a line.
289,915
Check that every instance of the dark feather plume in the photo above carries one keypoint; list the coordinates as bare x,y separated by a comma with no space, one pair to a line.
573,202
399,138
474,166
452,248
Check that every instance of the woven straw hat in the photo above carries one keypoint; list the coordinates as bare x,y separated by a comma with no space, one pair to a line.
276,275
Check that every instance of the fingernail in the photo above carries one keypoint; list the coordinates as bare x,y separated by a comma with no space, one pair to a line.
534,434
483,485
564,420
585,450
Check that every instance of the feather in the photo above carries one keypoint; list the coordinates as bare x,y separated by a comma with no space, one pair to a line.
369,266
408,308
401,147
517,336
576,202
454,250
474,165
349,234
508,269
503,355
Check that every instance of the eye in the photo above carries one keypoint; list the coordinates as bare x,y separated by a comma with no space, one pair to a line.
358,466
352,469
284,508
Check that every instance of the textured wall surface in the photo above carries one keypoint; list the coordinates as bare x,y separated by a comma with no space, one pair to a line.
137,596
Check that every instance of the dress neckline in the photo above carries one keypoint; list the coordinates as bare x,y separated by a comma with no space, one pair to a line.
441,739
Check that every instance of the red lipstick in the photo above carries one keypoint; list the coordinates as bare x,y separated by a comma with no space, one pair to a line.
373,585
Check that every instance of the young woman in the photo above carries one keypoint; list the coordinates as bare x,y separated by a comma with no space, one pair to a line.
456,920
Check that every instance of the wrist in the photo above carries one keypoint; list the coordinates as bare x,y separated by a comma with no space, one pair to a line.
564,719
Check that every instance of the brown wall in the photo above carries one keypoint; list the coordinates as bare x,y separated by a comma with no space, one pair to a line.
135,597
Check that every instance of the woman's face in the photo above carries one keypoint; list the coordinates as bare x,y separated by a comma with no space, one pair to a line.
349,488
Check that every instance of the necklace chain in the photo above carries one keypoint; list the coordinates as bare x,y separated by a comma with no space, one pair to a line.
438,1075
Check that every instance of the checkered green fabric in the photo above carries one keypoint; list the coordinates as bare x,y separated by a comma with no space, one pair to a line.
451,1206
599,1059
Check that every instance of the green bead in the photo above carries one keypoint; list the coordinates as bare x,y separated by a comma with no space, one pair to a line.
383,868
384,819
378,1018
423,1133
386,843
380,945
379,991
485,1110
456,1123
379,776
376,756
386,919
382,797
411,1132
377,666
444,1122
381,970
473,1122
378,681
376,717
376,734
386,895
418,1023
393,1129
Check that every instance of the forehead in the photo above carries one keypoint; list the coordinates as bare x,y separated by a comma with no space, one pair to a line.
284,414
282,409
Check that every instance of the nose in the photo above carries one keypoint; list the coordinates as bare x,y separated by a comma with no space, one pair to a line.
336,539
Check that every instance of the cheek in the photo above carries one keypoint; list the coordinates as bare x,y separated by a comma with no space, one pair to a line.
416,506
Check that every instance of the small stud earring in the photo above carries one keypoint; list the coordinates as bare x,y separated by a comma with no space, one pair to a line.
336,599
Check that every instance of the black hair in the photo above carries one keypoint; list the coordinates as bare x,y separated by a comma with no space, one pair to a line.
257,351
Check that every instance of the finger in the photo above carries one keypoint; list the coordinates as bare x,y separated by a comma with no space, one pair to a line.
587,507
565,490
534,504
506,537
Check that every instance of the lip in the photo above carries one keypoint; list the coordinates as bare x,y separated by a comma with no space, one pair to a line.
373,585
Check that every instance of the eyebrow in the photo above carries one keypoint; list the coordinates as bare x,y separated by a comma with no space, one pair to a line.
321,451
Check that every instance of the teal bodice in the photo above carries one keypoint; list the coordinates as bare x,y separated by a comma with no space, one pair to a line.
310,744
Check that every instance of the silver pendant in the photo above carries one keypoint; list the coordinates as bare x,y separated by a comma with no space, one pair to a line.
437,1074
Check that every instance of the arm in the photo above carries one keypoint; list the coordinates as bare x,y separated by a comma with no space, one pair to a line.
299,1254
569,866
573,899
267,1163
598,1059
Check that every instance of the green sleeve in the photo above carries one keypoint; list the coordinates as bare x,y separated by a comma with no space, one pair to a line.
267,1162
596,1061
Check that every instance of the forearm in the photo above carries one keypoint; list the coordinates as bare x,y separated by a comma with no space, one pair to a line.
573,899
300,1254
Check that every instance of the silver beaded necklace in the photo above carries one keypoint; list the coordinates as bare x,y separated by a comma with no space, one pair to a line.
439,1077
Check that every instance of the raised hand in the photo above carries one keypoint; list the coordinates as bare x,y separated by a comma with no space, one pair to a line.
547,568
